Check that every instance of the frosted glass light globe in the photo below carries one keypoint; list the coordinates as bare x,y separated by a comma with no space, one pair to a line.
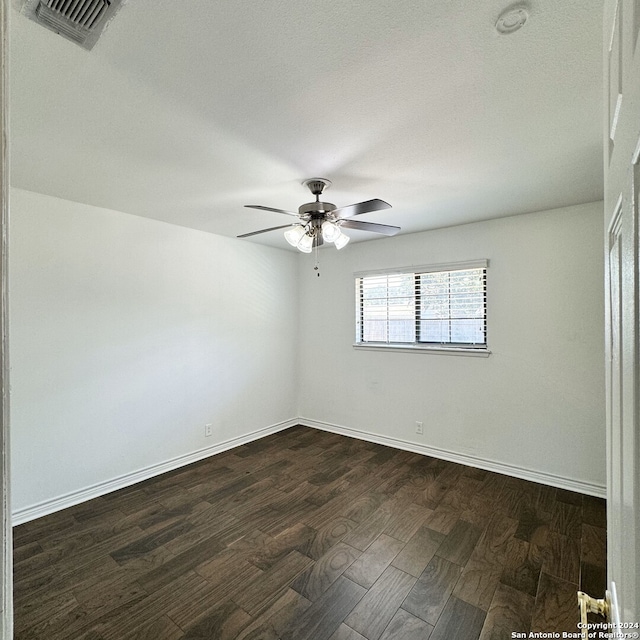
294,235
342,240
306,243
330,231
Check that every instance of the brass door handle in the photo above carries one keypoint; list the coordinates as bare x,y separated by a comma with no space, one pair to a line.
587,604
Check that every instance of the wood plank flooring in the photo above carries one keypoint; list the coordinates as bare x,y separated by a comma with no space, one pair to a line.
307,535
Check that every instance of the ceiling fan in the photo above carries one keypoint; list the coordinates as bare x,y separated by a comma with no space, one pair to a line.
319,222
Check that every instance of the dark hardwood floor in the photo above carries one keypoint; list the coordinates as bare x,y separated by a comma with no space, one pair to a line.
307,535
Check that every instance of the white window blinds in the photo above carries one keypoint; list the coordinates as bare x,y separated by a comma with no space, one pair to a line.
429,306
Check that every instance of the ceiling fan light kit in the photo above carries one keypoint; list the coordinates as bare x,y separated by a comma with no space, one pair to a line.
320,222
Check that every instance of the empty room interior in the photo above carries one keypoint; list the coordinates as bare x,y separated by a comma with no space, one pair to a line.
307,318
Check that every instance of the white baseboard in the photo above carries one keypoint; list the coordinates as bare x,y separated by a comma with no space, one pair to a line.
20,516
472,461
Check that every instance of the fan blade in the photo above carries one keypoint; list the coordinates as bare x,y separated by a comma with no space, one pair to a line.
259,206
387,229
255,233
361,207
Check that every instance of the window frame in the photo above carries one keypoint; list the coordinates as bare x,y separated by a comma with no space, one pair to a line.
447,348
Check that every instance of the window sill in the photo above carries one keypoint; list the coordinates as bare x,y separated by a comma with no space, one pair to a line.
448,351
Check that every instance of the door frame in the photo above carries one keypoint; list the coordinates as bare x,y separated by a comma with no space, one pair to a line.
6,566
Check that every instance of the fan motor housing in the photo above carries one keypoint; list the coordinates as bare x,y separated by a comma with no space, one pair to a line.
313,208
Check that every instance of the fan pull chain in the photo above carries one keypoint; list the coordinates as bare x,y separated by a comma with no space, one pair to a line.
316,268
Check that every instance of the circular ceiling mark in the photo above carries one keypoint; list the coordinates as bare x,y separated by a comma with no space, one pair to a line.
511,20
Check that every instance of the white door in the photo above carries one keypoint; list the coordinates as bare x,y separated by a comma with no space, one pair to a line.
622,188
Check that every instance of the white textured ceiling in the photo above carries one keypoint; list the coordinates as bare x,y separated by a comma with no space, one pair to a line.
185,111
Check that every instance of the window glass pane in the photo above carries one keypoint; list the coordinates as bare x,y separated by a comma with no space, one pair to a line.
401,330
401,308
374,330
434,331
374,289
388,308
457,298
467,331
400,285
435,306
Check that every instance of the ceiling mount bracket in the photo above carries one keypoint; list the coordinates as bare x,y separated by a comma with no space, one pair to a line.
317,185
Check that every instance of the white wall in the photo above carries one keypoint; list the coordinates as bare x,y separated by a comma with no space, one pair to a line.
128,335
536,403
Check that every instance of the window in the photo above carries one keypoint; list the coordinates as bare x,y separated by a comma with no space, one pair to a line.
438,307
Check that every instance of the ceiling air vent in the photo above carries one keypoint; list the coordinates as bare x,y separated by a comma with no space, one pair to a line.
81,21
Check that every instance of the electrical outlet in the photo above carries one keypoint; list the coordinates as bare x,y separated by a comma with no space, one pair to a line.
208,430
419,429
